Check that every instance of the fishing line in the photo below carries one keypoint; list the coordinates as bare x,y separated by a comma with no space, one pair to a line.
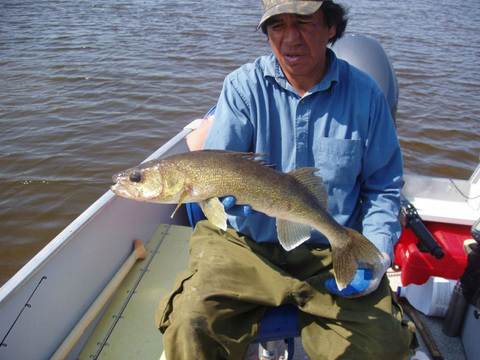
27,305
461,193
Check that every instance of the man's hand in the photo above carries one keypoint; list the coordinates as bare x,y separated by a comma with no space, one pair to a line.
229,203
365,281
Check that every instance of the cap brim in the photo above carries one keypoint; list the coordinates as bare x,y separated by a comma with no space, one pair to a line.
294,7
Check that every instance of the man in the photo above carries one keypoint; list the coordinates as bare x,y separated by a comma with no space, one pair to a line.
303,107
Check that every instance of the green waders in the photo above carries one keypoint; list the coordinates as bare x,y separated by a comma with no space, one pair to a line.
216,307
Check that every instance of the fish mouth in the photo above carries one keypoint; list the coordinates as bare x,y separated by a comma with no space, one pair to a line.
121,190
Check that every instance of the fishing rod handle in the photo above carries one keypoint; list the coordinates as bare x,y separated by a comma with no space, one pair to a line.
425,237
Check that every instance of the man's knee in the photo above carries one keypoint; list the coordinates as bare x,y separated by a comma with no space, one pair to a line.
191,339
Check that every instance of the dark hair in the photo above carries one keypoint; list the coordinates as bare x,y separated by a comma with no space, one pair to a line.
333,14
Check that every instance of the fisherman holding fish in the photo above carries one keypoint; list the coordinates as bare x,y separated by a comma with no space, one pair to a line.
314,117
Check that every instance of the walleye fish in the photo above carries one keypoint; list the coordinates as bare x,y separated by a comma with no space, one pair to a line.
296,199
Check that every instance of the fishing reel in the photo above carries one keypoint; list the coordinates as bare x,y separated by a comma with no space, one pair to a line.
409,218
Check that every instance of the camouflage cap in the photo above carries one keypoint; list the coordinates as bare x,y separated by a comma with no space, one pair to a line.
300,7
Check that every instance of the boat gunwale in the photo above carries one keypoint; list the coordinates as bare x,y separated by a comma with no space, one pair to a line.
33,266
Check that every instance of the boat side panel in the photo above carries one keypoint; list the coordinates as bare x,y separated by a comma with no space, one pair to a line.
441,199
42,303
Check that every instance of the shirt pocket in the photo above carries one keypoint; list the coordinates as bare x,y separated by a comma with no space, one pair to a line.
339,161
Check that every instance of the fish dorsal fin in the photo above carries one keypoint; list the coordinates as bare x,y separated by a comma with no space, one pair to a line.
313,183
215,212
253,157
244,155
291,234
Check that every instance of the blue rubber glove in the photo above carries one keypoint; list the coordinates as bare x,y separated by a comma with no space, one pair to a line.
229,203
365,281
361,281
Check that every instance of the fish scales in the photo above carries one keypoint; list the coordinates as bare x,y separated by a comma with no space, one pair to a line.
296,199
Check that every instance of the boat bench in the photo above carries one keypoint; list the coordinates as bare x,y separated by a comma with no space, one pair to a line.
127,329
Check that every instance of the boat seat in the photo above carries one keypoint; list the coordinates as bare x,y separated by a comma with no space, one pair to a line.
279,322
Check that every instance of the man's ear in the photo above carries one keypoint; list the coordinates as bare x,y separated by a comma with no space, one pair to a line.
332,31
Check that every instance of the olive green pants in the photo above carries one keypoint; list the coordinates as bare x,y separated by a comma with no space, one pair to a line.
216,307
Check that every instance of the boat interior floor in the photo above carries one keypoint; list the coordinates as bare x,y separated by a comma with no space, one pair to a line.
127,328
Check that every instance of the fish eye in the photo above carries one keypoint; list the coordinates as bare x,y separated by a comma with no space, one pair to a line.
135,177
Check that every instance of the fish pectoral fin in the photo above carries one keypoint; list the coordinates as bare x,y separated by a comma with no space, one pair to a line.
215,212
180,202
291,234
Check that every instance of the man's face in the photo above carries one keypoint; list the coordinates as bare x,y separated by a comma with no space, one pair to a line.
299,43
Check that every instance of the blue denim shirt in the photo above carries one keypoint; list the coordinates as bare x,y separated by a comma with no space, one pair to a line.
342,126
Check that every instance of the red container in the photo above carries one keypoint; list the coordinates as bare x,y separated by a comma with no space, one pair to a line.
418,266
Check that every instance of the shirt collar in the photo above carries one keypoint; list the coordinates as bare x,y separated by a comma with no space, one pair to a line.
274,72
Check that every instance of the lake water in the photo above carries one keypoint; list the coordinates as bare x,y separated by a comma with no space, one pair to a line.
92,87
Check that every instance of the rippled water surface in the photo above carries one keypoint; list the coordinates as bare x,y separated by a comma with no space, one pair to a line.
91,87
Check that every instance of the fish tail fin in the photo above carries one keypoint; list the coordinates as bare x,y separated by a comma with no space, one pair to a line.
346,259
